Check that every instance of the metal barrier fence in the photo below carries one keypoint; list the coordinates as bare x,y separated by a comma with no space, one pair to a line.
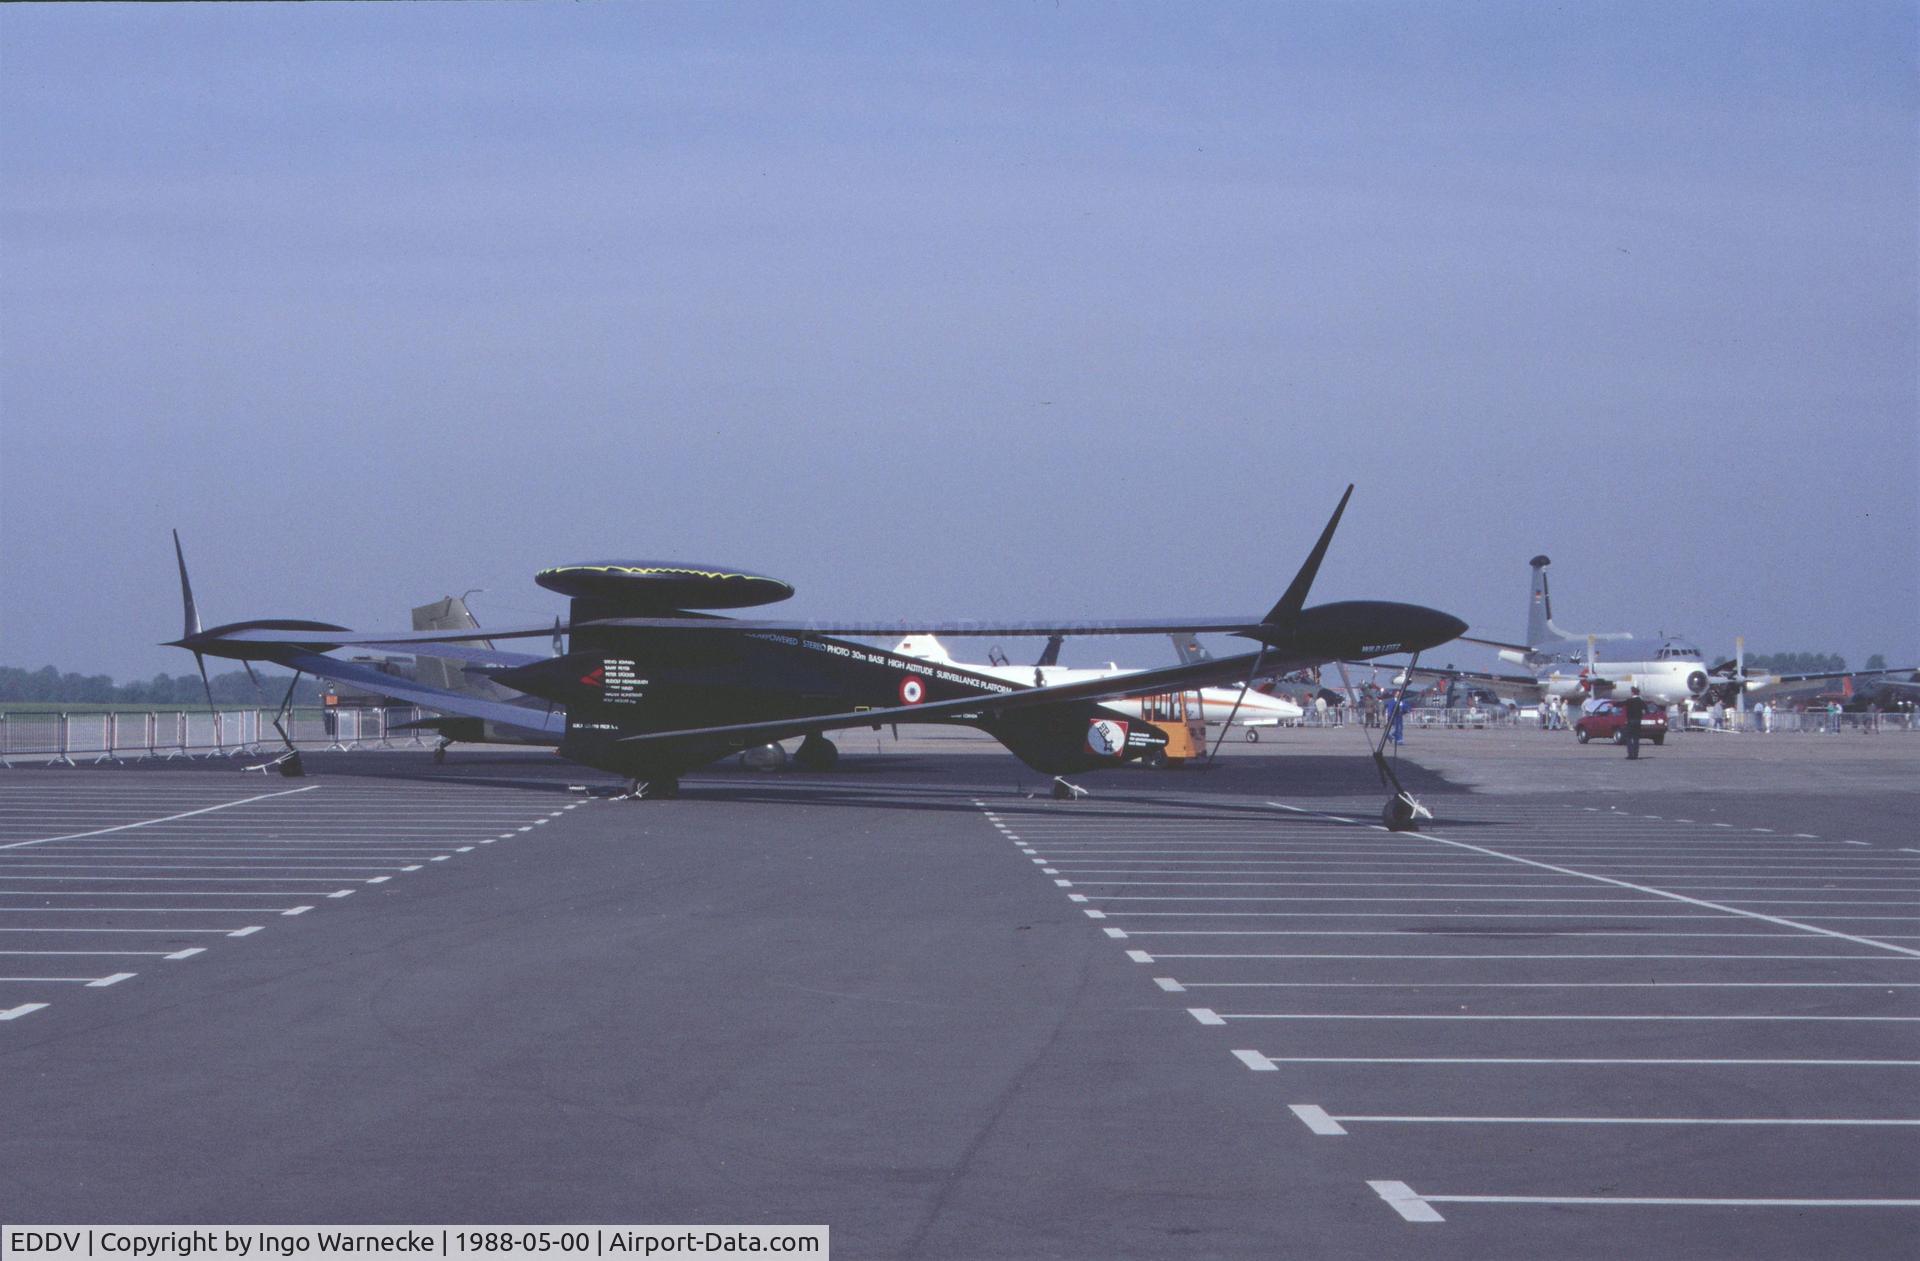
63,739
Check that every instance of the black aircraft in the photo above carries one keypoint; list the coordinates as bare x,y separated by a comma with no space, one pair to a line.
653,686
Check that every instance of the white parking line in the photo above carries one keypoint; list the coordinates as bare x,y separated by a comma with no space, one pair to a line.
1560,1060
1214,1018
1321,1122
1678,897
225,805
1552,985
1818,958
1415,1207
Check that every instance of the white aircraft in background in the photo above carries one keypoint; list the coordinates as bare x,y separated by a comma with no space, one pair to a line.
1574,665
1257,711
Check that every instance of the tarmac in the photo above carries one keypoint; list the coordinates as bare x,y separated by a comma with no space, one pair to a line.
1593,1009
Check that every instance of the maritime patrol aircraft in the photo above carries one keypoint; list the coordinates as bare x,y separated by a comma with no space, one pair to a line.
1576,665
654,684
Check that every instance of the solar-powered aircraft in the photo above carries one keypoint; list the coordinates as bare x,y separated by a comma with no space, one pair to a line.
654,685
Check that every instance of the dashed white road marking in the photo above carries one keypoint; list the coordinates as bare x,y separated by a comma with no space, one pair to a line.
188,953
341,893
24,1009
245,932
1316,1119
1402,1199
1256,1061
115,979
296,910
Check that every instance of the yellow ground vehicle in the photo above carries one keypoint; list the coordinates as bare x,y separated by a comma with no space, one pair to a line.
1178,716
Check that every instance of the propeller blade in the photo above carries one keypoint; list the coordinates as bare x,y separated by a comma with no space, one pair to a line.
1295,598
192,614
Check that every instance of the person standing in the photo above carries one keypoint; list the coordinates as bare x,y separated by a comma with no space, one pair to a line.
1636,710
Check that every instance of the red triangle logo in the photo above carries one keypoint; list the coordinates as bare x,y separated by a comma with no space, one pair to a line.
596,678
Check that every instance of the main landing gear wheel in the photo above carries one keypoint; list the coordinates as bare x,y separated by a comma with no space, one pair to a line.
291,767
1253,737
816,753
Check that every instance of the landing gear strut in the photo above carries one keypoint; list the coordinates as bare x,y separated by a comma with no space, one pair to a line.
440,751
816,753
1063,791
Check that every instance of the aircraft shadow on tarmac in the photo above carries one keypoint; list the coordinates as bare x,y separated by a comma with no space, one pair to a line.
926,782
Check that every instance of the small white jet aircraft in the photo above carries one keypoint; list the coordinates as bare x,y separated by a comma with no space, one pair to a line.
1257,711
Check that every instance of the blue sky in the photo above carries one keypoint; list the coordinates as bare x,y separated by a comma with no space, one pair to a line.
985,310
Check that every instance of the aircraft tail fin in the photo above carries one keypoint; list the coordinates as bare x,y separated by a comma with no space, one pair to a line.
1540,607
448,675
1190,650
1050,655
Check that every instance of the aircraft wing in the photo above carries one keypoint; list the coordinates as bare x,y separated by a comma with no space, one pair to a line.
1765,680
405,641
548,722
1521,686
464,652
1223,670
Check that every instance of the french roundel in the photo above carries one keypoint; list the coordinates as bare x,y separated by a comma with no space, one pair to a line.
913,690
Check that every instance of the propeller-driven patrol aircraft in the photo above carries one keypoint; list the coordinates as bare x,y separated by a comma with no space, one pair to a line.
654,685
1576,665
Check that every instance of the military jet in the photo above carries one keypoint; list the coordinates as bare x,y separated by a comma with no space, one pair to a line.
654,684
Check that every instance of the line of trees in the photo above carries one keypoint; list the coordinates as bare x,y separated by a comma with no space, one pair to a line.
48,685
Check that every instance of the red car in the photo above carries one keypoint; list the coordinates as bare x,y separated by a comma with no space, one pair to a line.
1607,720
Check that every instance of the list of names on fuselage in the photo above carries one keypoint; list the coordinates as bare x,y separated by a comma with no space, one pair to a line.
622,682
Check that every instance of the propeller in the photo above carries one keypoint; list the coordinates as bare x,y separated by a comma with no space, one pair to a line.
1285,612
190,616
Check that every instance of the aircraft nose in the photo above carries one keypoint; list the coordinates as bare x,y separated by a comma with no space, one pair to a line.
1445,627
1375,628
